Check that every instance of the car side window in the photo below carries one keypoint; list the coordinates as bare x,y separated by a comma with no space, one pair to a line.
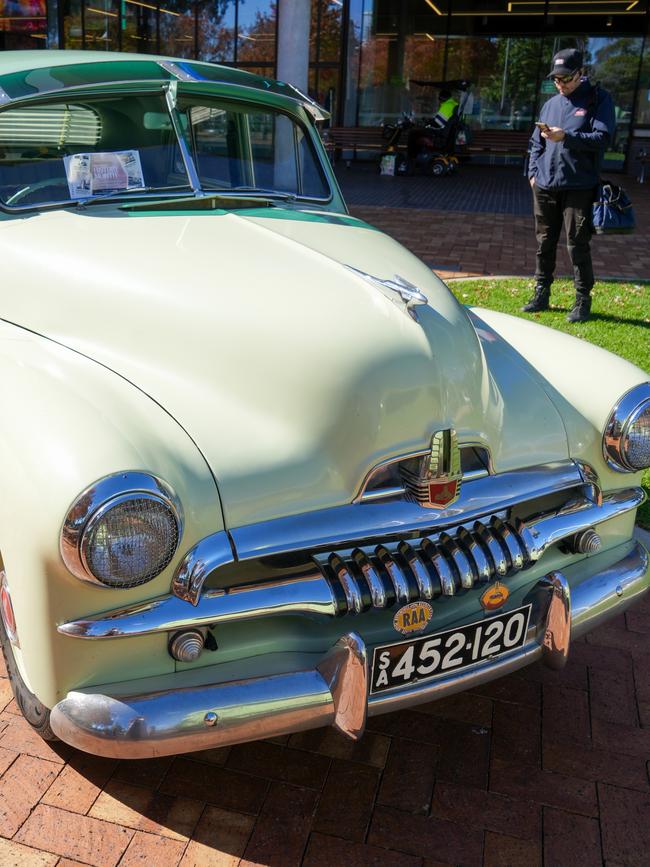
239,146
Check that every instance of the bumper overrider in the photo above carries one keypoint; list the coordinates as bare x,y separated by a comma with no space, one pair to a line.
333,689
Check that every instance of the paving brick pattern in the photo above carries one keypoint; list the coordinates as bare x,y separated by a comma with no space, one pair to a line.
498,238
537,768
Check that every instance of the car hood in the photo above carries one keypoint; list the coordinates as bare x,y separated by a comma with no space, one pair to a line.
293,374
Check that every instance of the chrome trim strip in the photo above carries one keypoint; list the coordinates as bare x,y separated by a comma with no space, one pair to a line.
419,570
95,499
477,555
493,548
350,525
538,535
458,557
171,91
309,596
348,583
309,104
507,536
440,567
333,693
375,585
618,423
174,69
381,494
397,577
209,554
312,594
593,487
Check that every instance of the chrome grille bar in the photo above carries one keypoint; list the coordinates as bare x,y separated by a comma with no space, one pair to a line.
427,567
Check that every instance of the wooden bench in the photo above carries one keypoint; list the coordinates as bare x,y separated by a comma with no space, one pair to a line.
490,142
355,139
498,142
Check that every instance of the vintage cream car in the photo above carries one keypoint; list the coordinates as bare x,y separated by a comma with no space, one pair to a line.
261,472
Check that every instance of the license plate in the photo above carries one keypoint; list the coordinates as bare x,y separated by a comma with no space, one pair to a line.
395,665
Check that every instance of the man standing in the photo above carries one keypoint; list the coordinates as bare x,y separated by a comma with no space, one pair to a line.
575,128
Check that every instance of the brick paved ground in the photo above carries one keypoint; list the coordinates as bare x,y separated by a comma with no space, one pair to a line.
463,243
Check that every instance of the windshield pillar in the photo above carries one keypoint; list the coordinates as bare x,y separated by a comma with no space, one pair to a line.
188,162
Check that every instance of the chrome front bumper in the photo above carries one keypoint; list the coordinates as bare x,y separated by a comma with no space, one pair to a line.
335,691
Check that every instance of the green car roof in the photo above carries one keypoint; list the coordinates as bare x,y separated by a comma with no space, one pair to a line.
32,73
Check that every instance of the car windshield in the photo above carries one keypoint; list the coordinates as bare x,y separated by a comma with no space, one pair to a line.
92,148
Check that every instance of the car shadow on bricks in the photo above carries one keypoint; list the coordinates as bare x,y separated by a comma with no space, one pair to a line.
455,771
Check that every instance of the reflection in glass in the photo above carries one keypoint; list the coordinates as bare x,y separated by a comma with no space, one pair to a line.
216,31
503,72
72,24
138,24
643,96
177,30
256,27
23,24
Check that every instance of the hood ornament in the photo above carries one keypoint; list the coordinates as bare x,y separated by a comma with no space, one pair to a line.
434,479
398,290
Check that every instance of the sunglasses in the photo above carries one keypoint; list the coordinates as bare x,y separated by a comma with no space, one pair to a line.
564,79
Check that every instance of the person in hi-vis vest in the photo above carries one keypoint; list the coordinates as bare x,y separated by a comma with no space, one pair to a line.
447,108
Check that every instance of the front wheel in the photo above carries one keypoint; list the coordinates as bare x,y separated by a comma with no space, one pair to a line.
36,714
438,168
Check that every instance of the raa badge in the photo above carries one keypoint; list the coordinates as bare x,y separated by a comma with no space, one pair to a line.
495,596
412,617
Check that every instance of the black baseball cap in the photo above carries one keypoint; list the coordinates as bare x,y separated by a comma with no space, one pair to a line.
566,62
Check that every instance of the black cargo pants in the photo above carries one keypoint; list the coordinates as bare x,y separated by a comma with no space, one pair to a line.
571,209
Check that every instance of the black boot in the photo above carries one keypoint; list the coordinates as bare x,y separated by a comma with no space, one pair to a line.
539,301
581,309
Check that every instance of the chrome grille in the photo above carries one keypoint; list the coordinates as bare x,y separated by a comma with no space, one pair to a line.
389,574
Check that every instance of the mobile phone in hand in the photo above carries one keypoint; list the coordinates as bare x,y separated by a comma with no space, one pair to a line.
542,126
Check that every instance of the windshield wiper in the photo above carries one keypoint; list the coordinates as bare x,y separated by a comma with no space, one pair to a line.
121,194
256,192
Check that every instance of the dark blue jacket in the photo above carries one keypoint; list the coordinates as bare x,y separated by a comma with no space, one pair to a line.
587,118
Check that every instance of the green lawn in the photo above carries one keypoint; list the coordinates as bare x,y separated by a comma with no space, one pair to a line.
620,320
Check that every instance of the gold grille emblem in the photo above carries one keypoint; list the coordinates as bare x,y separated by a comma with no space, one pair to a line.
434,479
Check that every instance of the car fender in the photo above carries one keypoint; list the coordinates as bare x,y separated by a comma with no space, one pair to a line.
584,381
68,422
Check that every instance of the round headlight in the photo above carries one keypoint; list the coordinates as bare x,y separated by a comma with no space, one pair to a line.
122,532
626,441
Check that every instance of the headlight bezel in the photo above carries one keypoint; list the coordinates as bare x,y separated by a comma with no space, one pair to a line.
95,501
622,417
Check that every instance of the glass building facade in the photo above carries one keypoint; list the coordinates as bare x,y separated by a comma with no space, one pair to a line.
365,56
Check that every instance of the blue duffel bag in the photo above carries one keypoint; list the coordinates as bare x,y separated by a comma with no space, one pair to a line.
613,212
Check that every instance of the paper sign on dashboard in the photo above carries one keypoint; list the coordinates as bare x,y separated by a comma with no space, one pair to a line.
93,173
